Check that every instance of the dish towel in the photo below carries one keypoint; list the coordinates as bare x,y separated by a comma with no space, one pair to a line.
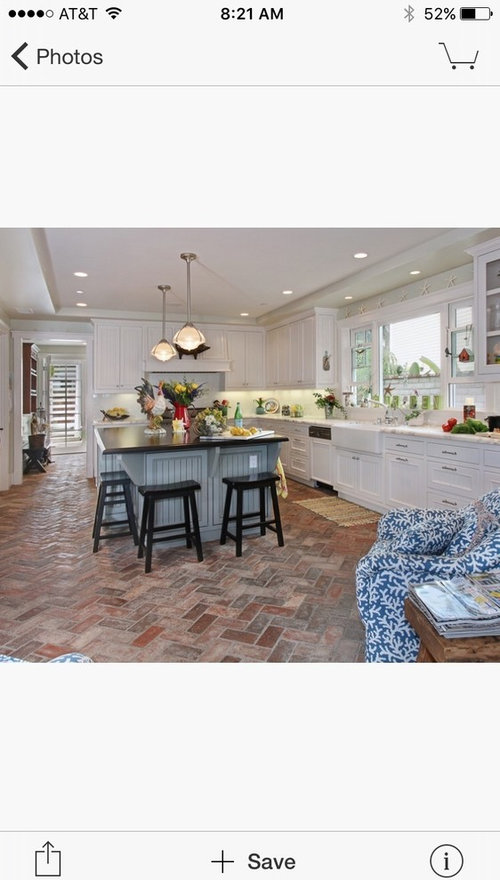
281,487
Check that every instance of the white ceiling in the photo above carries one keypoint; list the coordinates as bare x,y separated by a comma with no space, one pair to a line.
237,270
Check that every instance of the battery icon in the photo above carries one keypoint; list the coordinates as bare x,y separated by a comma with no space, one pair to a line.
475,13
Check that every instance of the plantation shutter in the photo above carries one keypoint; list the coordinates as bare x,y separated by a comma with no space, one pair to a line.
65,402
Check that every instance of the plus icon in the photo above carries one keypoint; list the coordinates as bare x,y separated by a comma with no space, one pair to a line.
222,861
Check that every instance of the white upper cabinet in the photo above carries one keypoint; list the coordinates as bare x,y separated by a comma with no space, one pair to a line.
278,352
300,351
118,355
246,356
487,293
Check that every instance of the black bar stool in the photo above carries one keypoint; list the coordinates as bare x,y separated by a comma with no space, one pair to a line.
185,490
114,489
261,482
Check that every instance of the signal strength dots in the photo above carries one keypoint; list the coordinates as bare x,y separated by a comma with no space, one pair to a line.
113,11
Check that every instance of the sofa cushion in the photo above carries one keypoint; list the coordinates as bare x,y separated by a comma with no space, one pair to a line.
427,538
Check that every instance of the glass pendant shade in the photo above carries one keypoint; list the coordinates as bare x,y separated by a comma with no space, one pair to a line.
189,337
163,350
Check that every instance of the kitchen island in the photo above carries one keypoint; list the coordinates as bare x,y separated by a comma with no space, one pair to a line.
157,459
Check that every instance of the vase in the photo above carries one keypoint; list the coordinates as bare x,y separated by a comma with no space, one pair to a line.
181,412
260,411
328,411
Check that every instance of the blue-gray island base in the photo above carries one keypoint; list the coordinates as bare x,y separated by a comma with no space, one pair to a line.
158,459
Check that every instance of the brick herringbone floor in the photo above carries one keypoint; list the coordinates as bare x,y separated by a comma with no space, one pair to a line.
295,603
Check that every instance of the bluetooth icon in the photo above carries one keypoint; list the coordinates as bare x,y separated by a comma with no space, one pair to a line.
409,13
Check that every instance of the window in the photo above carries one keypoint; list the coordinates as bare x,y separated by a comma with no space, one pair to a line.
411,360
361,365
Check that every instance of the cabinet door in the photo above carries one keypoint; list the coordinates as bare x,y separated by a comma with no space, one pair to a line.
370,477
487,278
107,357
255,366
217,340
302,347
131,356
278,353
347,470
404,477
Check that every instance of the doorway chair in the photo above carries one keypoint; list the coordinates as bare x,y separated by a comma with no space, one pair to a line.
414,546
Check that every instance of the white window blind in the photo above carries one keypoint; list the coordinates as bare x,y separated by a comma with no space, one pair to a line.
65,394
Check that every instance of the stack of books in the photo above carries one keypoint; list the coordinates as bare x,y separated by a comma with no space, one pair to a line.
463,606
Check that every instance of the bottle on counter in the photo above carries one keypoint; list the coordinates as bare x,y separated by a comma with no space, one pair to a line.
238,417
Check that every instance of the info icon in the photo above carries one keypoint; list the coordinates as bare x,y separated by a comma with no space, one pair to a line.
446,860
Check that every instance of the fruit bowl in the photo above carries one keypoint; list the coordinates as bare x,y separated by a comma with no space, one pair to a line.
115,415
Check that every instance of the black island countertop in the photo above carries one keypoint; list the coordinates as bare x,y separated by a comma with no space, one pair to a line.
114,440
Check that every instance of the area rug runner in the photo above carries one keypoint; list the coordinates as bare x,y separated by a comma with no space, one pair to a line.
343,513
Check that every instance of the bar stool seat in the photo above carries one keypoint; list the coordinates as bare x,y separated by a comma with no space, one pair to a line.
190,526
114,489
262,482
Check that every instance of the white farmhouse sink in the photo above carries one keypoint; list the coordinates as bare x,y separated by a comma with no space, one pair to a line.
363,437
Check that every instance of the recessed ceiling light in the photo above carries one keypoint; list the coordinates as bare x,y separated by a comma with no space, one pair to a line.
415,272
360,256
287,292
348,297
81,274
244,314
82,305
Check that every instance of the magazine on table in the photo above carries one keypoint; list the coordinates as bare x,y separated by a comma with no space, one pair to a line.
468,605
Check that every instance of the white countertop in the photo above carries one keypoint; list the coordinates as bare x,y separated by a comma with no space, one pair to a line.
424,431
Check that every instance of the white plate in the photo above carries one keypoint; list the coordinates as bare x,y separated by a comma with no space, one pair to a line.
271,406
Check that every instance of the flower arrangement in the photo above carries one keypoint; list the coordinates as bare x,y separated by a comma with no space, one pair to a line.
180,393
210,421
327,399
222,405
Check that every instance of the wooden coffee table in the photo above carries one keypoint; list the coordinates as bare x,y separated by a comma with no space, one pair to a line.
436,649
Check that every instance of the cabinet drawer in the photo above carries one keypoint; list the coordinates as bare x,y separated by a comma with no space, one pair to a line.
441,475
299,445
492,456
469,454
404,445
446,501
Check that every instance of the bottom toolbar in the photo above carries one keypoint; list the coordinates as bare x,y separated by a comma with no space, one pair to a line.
206,855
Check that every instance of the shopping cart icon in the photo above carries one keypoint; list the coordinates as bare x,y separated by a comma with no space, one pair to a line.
454,64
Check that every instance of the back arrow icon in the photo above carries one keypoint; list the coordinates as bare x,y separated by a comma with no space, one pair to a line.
17,53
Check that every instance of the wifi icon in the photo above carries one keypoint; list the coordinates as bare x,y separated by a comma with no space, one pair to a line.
113,11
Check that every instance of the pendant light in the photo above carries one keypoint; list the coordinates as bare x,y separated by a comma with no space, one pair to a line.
188,337
163,350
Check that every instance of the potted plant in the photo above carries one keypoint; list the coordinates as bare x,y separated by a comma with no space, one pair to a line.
328,401
260,406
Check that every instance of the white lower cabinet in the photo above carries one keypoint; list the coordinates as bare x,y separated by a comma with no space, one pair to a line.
453,474
491,474
404,472
322,456
359,476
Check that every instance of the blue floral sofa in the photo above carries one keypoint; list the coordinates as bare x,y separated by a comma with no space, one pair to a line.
63,658
413,546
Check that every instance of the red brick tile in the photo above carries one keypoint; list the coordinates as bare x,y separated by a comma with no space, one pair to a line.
147,636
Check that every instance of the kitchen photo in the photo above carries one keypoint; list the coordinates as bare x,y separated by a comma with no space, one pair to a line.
229,445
